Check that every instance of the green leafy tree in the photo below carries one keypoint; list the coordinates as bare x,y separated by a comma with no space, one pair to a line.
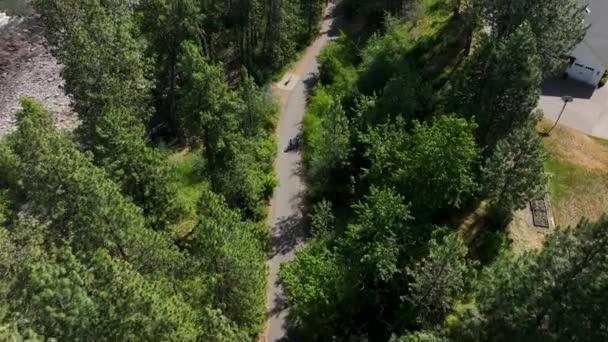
329,148
557,25
383,57
246,176
322,219
555,293
374,241
433,165
14,332
375,11
420,336
337,64
445,153
515,172
406,93
500,85
438,280
319,292
349,286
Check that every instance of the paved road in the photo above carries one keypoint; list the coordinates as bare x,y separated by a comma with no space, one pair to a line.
286,209
587,113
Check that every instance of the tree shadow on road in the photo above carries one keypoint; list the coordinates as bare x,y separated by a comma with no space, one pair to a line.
286,234
338,22
279,304
309,85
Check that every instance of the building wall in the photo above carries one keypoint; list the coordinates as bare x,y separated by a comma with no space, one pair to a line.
584,56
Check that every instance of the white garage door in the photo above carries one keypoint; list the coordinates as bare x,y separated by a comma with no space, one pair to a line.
581,72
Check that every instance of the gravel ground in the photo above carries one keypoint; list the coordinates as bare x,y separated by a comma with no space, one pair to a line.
27,69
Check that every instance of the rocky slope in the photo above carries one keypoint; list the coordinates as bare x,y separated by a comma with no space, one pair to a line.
27,68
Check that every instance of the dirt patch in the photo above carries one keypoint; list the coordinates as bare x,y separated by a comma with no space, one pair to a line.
27,69
523,234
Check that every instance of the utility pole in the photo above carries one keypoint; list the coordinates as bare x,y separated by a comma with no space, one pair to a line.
567,99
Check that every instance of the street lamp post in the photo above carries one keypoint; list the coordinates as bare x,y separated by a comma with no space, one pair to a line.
567,99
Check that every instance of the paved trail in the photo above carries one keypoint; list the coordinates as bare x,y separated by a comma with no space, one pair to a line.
286,210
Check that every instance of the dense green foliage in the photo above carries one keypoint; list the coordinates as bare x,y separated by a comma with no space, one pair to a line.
499,86
262,36
514,171
557,25
557,293
404,135
147,223
433,165
80,262
106,74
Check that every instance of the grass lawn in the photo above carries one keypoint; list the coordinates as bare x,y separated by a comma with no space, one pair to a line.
578,168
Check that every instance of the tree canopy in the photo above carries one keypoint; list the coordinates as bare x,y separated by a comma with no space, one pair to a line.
420,142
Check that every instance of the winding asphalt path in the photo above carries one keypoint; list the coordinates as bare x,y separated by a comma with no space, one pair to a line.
286,215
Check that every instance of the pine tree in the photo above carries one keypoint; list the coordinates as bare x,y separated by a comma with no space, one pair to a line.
312,12
557,26
54,298
557,293
141,170
258,111
499,85
228,251
104,64
207,109
105,72
279,37
133,308
515,173
166,25
86,210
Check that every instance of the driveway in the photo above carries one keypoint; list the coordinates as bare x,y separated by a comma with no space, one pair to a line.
587,113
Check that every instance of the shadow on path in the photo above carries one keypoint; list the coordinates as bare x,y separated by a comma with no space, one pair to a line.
287,233
309,84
